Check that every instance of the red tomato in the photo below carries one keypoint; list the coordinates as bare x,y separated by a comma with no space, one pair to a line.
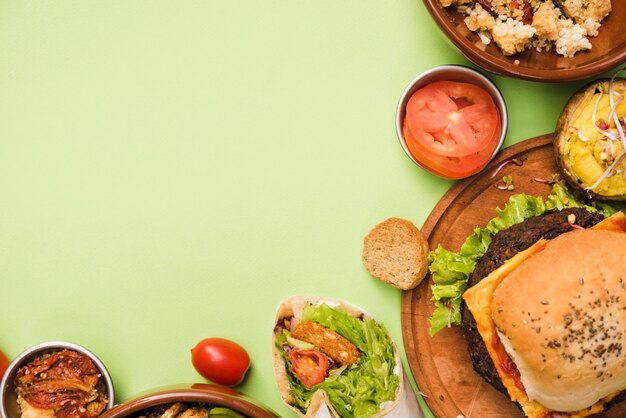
310,366
221,361
4,363
452,128
449,167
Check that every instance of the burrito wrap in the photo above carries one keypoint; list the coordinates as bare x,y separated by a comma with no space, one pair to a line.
293,307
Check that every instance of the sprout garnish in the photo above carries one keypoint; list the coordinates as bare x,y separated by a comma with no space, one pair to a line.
615,98
518,162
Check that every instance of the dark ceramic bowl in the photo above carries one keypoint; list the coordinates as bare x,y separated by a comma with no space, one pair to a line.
8,398
199,392
608,49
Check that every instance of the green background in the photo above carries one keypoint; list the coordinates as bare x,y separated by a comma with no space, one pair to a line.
172,170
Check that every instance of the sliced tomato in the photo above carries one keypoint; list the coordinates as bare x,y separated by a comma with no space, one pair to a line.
452,123
310,366
452,168
452,119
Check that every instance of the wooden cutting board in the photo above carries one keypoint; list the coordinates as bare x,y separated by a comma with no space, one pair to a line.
441,364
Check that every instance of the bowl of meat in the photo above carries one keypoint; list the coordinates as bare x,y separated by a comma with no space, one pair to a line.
56,379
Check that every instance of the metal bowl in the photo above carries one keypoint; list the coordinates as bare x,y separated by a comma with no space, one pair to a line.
451,73
198,392
8,398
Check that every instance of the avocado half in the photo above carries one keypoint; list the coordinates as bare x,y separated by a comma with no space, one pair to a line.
586,155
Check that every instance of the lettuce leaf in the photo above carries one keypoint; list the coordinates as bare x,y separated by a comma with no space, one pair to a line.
358,391
224,412
451,270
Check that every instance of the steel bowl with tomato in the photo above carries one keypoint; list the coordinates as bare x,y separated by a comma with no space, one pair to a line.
451,121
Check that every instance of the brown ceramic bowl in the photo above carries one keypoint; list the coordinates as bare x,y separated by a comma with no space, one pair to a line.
608,49
198,392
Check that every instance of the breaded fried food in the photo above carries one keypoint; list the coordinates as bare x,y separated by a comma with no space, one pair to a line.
580,10
328,341
517,9
547,22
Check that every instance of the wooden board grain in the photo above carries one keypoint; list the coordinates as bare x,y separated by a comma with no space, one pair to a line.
441,364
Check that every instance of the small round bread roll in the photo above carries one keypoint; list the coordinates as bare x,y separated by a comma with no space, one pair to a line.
396,252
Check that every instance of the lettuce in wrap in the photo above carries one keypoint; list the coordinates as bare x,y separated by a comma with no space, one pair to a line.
362,374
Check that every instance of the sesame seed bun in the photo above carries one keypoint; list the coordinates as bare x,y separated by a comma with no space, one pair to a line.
561,316
396,252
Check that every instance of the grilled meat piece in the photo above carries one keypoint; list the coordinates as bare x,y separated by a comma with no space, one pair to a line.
66,382
176,410
328,342
195,413
504,245
171,412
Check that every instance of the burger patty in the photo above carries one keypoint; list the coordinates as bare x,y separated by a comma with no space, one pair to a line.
504,245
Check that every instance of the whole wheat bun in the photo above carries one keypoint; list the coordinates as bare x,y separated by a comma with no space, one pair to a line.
320,405
396,252
561,315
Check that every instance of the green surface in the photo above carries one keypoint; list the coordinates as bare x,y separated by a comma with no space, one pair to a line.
171,170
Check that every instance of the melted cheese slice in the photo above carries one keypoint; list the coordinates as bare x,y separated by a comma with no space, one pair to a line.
479,298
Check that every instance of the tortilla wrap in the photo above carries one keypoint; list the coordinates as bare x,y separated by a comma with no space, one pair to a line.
319,405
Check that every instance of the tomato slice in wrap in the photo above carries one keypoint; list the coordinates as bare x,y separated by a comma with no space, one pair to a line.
310,366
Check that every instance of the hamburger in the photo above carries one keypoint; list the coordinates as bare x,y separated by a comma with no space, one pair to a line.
545,313
504,245
450,271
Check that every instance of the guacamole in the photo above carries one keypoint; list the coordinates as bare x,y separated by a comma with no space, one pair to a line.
589,143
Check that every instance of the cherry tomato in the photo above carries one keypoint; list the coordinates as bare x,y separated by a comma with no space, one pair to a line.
452,128
310,366
221,361
4,363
